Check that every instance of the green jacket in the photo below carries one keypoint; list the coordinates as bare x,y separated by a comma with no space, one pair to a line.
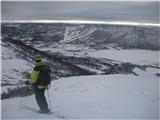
35,76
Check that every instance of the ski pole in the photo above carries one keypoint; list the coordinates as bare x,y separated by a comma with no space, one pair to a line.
49,99
20,105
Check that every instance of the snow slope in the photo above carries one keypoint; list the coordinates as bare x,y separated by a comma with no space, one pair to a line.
99,37
98,96
75,33
14,68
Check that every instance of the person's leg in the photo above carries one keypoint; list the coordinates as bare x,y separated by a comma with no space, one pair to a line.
41,100
37,96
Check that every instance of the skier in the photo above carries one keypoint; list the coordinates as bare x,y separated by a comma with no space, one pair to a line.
40,81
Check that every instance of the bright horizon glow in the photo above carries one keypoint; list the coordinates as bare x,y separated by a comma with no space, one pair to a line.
90,0
83,22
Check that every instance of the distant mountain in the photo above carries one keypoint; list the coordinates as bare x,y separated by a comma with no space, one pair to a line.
93,36
126,37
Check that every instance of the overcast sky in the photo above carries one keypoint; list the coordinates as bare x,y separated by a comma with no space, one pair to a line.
116,11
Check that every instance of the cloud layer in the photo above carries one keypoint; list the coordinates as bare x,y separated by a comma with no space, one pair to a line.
116,11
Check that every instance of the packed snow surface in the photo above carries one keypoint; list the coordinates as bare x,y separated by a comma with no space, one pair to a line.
97,96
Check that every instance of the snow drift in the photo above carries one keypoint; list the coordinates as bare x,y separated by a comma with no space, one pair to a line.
97,96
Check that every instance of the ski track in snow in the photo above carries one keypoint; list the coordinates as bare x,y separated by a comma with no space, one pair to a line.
71,36
98,97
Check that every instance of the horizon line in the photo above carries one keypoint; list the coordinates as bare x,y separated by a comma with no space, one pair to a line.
84,0
84,22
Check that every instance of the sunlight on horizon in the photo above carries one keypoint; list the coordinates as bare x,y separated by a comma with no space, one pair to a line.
91,0
83,22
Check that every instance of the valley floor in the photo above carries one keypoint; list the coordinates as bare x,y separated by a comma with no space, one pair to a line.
139,57
97,96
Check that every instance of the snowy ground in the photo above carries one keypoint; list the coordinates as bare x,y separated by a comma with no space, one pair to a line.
98,96
88,97
140,57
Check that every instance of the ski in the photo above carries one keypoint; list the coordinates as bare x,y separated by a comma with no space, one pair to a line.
37,111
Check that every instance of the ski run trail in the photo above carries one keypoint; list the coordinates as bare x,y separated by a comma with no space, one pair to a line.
116,96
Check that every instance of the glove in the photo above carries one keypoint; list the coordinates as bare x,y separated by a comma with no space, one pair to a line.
27,82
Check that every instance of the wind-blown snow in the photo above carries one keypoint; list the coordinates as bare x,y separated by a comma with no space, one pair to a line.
98,96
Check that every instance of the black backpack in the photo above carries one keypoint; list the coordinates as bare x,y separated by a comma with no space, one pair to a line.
44,75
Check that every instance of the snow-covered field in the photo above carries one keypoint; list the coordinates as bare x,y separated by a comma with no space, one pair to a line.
97,96
140,57
134,56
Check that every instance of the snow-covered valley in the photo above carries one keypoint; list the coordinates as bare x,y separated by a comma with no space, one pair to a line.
139,57
98,72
